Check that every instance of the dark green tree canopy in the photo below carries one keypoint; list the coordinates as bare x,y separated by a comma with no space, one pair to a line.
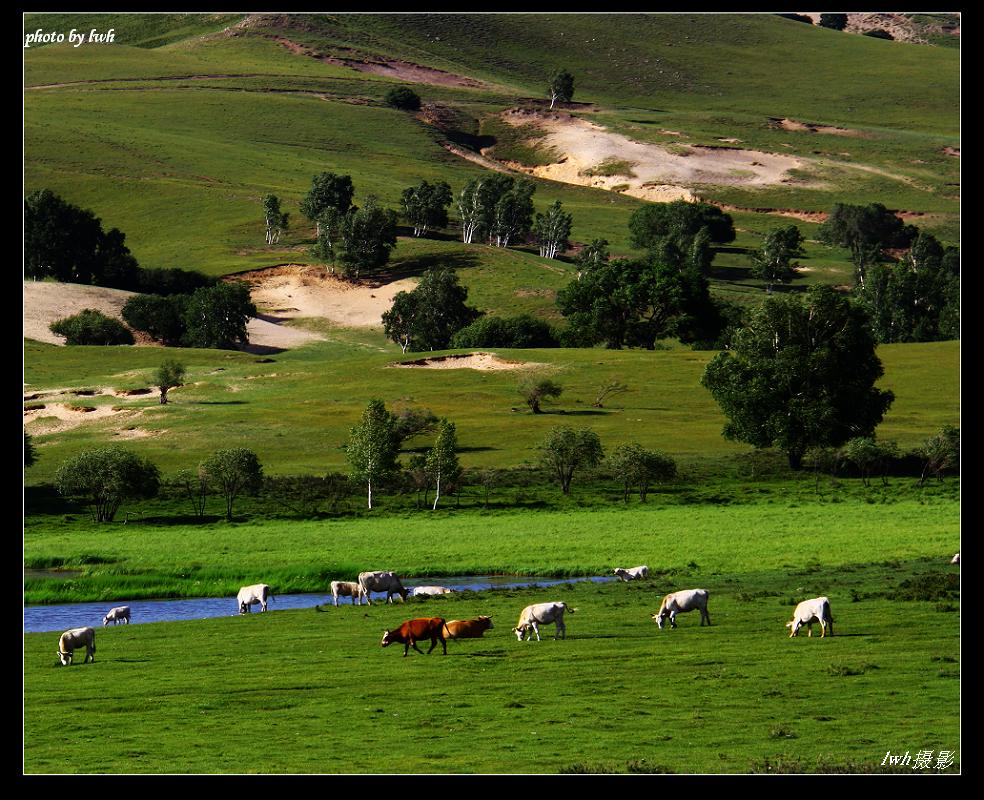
373,447
426,206
652,225
92,327
368,235
403,98
773,261
835,22
216,316
107,476
161,317
328,190
802,374
561,87
428,316
233,471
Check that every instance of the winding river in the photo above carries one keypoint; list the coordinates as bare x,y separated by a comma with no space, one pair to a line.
44,618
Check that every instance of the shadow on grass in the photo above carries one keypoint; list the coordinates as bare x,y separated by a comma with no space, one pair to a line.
414,266
221,403
180,519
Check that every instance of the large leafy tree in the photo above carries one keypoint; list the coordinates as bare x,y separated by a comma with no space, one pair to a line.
477,204
512,215
565,450
552,230
368,235
107,476
233,471
328,190
867,231
802,374
373,447
656,226
426,206
428,316
216,316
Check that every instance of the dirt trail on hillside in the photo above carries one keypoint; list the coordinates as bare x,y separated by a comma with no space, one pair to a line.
646,170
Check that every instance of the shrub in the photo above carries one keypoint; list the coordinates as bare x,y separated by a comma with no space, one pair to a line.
106,477
878,33
403,98
159,317
92,327
522,331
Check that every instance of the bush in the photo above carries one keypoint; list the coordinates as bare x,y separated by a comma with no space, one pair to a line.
835,22
159,317
403,98
106,477
92,327
522,331
878,33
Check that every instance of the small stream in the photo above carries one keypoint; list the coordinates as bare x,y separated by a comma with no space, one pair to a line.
43,618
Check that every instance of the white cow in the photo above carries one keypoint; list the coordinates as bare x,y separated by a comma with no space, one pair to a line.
251,595
635,573
346,589
955,559
381,581
810,611
72,640
539,614
117,615
680,602
431,591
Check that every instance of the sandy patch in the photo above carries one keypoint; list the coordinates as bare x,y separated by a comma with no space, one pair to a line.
479,361
792,213
661,172
811,127
55,417
293,291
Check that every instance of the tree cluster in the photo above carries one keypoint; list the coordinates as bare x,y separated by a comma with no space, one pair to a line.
498,207
426,317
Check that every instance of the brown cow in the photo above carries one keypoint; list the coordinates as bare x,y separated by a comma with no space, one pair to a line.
468,628
416,630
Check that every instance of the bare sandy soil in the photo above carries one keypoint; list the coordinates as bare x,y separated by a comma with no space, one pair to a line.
294,291
479,361
55,410
651,171
795,125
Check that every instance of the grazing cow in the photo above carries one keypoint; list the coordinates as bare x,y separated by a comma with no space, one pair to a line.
346,589
635,573
810,611
955,559
251,595
117,615
534,616
72,640
468,628
417,630
431,591
381,581
679,602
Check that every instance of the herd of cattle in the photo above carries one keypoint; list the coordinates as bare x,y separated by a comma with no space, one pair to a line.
437,629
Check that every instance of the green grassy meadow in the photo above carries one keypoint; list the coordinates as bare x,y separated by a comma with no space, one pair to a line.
175,132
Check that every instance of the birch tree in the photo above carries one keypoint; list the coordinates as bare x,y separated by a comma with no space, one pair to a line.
368,234
552,230
442,460
373,446
276,220
328,190
426,206
512,214
561,88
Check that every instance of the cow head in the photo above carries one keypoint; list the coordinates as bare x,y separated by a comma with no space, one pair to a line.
794,626
520,631
487,621
403,593
659,618
65,658
105,621
386,639
244,607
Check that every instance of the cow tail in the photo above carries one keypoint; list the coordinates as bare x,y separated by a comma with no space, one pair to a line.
447,633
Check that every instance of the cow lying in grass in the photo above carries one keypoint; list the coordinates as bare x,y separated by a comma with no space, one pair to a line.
632,574
72,640
468,628
417,630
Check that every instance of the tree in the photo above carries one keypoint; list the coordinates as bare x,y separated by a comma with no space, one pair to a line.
941,451
561,88
524,330
233,471
403,98
867,454
67,243
552,230
565,450
867,231
426,206
773,261
368,234
609,389
835,22
655,226
106,477
413,421
163,318
802,374
91,327
512,215
216,316
330,222
477,204
442,460
169,375
194,483
373,446
30,454
276,220
428,316
635,466
328,190
536,390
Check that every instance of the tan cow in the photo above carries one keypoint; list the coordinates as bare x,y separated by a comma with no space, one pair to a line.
468,628
72,640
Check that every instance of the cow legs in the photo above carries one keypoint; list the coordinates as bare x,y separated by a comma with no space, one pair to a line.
444,644
562,630
673,619
704,615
